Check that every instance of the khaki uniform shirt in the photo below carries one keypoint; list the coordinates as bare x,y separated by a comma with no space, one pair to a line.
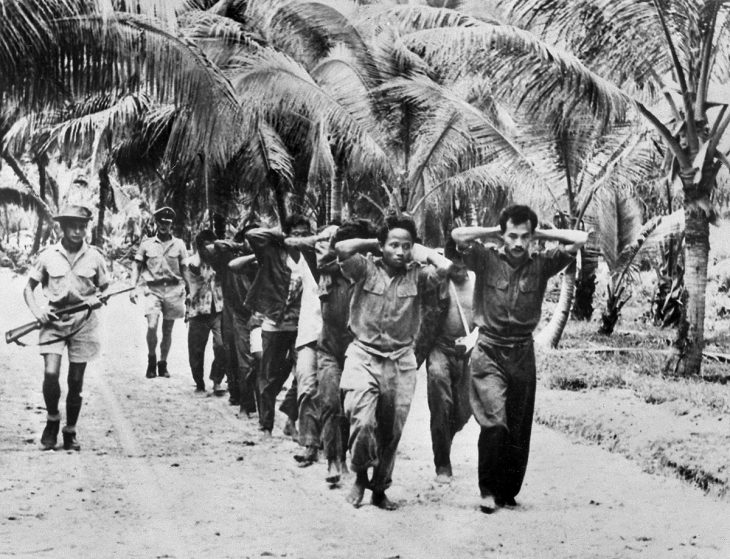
385,311
507,300
162,259
67,282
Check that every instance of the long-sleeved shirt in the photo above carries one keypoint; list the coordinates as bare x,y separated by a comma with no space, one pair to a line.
385,310
508,300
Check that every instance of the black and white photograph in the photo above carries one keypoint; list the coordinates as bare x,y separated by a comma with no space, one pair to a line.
378,279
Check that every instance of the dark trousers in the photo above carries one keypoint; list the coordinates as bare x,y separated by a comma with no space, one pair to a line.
277,359
289,406
448,400
199,329
334,425
241,374
502,398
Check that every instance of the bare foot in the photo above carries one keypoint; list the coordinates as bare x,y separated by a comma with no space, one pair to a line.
380,500
443,478
290,430
354,497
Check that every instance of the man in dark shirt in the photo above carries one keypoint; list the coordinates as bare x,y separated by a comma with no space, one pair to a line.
379,375
276,293
508,292
235,320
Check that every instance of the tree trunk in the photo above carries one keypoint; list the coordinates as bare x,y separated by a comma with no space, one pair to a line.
585,286
687,357
42,193
15,166
336,193
104,187
551,334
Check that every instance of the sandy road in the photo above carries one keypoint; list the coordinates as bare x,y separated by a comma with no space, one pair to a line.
166,473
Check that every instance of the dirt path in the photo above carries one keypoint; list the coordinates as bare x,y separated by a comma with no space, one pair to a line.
166,473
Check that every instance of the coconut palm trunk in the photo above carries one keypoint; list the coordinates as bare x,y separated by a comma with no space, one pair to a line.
336,193
553,331
690,335
42,192
585,286
104,188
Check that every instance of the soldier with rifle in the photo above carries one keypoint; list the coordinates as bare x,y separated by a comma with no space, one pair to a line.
71,272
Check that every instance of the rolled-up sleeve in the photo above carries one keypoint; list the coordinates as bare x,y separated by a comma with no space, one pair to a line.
141,254
261,239
474,255
430,277
38,271
102,275
355,267
556,259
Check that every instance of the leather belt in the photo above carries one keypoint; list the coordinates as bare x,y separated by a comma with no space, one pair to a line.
163,282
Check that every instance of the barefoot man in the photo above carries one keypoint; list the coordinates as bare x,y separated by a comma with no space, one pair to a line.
508,293
160,263
70,272
447,369
379,375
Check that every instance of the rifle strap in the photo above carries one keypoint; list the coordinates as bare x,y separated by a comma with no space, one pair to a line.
65,336
464,323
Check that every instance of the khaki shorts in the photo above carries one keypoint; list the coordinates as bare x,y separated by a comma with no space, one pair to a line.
83,346
168,300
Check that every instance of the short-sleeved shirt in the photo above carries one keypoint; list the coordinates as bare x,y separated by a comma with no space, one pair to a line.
206,296
385,311
69,281
508,300
161,259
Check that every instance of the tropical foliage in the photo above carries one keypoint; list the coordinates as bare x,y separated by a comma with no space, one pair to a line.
446,110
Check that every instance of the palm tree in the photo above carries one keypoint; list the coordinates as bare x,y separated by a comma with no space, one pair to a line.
684,39
673,52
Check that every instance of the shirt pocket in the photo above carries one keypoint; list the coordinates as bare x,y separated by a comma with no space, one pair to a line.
57,280
406,289
374,285
497,282
528,285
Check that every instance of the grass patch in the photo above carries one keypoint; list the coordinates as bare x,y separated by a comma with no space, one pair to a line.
695,394
622,401
579,380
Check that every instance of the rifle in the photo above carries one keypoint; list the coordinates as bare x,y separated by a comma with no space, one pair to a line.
16,333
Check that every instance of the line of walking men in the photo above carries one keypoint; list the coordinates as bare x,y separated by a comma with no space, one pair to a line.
343,308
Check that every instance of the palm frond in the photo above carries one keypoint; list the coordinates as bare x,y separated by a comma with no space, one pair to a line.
26,199
521,66
407,19
80,132
281,89
321,164
618,224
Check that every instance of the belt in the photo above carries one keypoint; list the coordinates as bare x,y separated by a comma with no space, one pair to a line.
503,343
161,282
393,354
